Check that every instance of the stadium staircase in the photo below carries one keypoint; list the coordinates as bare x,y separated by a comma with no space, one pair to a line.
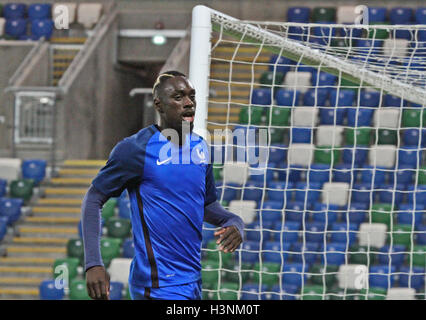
244,72
41,237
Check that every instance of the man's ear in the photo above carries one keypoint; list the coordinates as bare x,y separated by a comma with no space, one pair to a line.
157,104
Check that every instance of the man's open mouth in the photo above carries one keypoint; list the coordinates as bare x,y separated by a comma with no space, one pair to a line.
189,116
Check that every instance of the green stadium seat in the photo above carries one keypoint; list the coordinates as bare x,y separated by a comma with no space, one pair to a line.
372,294
229,291
312,292
75,249
280,116
317,272
22,188
340,294
210,274
422,175
277,135
270,273
378,33
217,171
108,209
359,255
78,290
401,234
381,213
387,136
118,228
362,136
216,255
324,14
128,296
412,117
70,264
267,78
210,295
327,155
346,84
419,256
255,114
233,272
110,249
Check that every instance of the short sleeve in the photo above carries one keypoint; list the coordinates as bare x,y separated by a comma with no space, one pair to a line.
211,193
123,169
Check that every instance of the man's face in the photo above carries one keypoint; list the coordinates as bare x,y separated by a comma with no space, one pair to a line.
176,103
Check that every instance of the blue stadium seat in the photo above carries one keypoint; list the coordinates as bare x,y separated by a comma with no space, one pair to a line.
11,208
419,49
368,173
335,253
413,278
400,15
310,254
394,255
410,156
393,101
359,117
361,192
350,32
407,213
381,276
281,64
294,172
420,15
3,227
251,291
277,153
418,192
295,211
255,231
250,251
404,175
14,10
16,27
288,292
253,191
344,172
369,99
315,232
341,231
319,173
124,210
292,274
357,155
301,135
288,97
39,11
228,191
390,194
325,33
34,169
3,187
48,291
280,191
325,213
311,192
290,232
116,290
357,212
331,116
376,14
315,97
271,211
421,234
272,251
261,96
411,137
42,28
298,14
342,97
300,67
129,248
261,173
297,33
28,37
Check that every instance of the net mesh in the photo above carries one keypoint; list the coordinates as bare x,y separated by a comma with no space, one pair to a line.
323,160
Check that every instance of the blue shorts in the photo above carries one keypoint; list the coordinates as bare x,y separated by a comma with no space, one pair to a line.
187,291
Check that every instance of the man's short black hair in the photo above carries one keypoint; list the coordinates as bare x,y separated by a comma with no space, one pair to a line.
162,78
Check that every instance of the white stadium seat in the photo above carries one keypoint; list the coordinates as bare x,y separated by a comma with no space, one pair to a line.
10,168
246,209
119,270
299,80
401,294
88,14
353,276
71,10
300,154
335,193
387,118
346,14
235,172
329,136
304,116
2,23
395,47
382,156
372,234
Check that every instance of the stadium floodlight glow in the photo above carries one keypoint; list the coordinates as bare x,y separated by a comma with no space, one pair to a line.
159,40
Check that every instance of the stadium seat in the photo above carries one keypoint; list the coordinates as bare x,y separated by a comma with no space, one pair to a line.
381,213
332,115
412,118
393,255
301,135
324,276
2,23
400,15
250,252
348,276
300,81
116,290
362,255
245,209
294,274
420,15
344,173
269,273
401,294
357,156
42,28
403,174
288,97
229,291
255,231
300,154
251,115
268,80
355,212
402,234
271,211
22,188
324,213
335,193
78,290
281,64
342,98
253,191
261,96
414,137
388,193
124,209
369,98
235,172
71,10
3,227
327,155
278,116
14,10
108,210
48,291
39,11
262,172
251,291
344,233
275,252
411,277
118,228
346,14
290,232
394,101
16,27
307,192
359,117
313,292
119,270
88,14
321,14
226,192
315,232
3,187
377,14
319,173
357,136
372,234
323,80
382,156
410,156
11,209
387,137
298,14
421,175
63,265
373,294
410,215
286,292
315,97
396,48
308,253
110,249
335,253
386,118
362,192
34,169
75,249
280,191
329,135
416,194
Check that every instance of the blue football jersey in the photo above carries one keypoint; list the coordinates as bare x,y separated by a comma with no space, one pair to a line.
168,186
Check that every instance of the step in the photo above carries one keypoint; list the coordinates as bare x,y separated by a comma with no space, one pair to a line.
19,293
64,191
221,100
57,201
68,40
78,172
55,220
240,58
224,110
20,261
63,56
61,64
21,281
39,240
224,118
47,231
71,181
84,163
28,272
16,251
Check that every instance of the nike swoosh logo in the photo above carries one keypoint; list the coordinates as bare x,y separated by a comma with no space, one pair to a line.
159,163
